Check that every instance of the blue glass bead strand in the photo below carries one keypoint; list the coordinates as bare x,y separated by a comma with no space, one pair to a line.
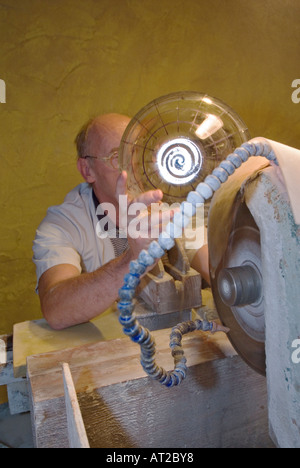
156,250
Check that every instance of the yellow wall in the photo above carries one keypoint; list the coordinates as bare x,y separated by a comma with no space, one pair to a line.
65,60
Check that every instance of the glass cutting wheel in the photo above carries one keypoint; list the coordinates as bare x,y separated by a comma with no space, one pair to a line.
175,141
237,287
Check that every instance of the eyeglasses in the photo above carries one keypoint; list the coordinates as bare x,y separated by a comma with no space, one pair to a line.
111,159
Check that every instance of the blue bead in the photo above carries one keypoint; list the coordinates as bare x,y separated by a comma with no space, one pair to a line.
228,167
213,182
139,337
176,351
250,148
175,334
147,343
165,241
127,321
173,381
181,367
266,149
173,230
125,308
163,376
155,250
205,190
221,174
234,159
207,326
271,157
195,198
177,377
148,355
136,268
150,369
126,293
198,324
259,148
131,280
242,153
269,153
181,220
132,331
157,373
188,209
145,259
167,381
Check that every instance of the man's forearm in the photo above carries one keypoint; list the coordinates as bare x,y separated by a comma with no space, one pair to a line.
79,299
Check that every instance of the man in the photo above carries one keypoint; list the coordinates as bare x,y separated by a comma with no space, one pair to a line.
78,272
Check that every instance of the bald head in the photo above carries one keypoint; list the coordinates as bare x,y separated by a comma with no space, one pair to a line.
99,135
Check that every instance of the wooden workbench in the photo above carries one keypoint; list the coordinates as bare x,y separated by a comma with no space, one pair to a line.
222,402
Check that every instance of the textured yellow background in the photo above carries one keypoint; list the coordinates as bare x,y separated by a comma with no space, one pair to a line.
65,60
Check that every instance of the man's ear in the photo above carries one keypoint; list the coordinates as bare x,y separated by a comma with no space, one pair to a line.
85,170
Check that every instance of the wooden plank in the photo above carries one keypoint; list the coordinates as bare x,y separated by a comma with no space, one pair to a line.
222,402
118,360
36,337
76,430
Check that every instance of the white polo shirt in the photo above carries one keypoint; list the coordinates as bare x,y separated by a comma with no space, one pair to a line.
68,235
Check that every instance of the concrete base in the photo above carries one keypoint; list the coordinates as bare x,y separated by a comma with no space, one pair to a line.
280,249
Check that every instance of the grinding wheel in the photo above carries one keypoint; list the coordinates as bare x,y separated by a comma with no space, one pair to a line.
237,290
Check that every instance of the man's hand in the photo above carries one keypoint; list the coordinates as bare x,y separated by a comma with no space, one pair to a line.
141,217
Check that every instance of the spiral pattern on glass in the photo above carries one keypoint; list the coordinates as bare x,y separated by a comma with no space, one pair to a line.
179,161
